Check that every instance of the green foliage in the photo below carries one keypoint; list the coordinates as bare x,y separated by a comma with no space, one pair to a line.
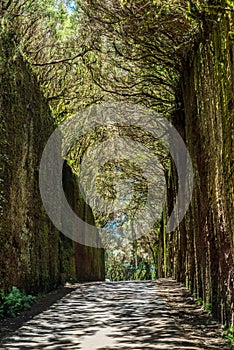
207,306
139,48
131,260
228,334
129,271
15,301
200,301
85,51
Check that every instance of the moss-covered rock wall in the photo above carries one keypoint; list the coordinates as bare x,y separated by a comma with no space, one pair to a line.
202,250
89,261
34,256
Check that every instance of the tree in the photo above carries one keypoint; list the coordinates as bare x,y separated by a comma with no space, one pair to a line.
136,49
46,33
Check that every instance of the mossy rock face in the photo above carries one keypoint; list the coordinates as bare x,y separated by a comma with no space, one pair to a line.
89,261
203,252
34,256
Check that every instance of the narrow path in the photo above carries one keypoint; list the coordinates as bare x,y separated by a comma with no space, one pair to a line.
115,315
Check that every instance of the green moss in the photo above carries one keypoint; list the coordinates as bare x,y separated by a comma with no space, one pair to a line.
208,85
34,256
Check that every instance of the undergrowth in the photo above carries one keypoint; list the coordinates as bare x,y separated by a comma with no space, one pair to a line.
13,302
228,334
207,306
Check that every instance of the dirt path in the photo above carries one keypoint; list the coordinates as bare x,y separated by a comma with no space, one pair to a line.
120,315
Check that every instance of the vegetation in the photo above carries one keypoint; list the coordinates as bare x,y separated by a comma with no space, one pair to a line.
88,51
228,334
207,306
14,302
131,260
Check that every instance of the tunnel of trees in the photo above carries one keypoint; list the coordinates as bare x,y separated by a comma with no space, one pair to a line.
175,58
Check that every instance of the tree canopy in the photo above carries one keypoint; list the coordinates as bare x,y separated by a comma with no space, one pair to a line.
85,51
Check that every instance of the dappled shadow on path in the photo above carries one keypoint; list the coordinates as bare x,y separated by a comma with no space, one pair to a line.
115,315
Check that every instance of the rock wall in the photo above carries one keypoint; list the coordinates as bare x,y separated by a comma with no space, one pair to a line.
202,250
89,261
34,256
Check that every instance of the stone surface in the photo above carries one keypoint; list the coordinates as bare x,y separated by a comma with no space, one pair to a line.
201,251
34,256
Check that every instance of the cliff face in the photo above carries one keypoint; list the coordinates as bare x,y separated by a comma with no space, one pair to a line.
89,261
33,254
202,251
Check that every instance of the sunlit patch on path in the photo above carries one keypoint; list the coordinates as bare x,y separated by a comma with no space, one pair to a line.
98,340
114,315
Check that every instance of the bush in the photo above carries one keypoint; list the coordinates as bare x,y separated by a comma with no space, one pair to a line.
15,301
228,334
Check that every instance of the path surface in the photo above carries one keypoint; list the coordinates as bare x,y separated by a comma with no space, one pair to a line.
115,315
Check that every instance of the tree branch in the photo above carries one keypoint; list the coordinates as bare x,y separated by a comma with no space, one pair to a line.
62,60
